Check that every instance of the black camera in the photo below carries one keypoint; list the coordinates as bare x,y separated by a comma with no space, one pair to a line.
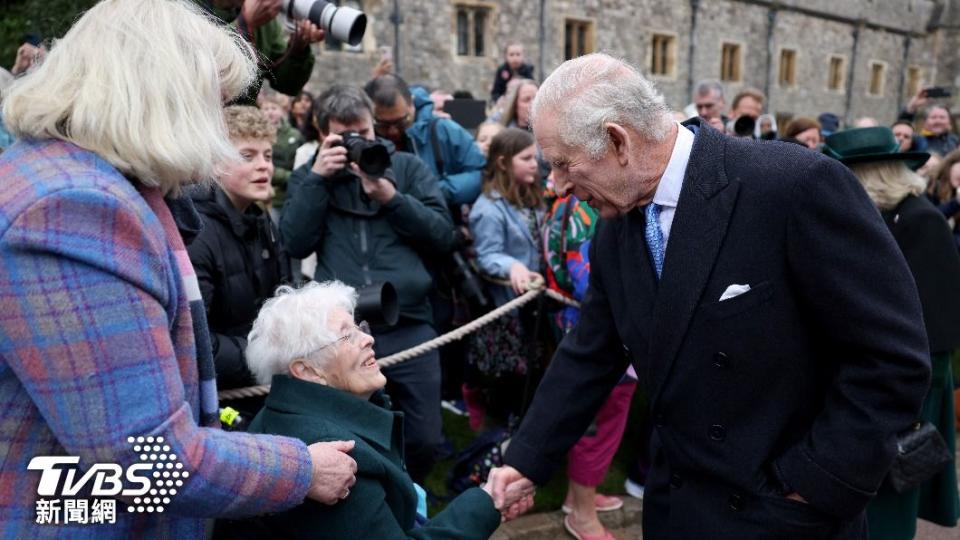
372,157
467,281
340,22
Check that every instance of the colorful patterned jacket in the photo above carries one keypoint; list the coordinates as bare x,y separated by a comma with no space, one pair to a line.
97,345
569,228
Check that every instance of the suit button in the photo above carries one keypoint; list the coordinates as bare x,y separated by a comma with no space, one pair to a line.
676,481
721,360
736,502
658,420
717,432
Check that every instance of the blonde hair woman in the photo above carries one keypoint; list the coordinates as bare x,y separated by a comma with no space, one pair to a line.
921,232
104,336
517,103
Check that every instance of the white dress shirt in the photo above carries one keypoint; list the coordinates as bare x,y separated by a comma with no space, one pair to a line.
668,191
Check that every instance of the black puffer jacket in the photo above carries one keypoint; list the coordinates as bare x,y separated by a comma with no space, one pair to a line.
239,263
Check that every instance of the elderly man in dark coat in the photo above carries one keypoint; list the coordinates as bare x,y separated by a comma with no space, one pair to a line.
762,300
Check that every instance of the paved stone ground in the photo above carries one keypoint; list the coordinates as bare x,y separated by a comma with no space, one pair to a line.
625,524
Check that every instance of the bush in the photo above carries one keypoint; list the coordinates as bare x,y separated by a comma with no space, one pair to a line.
48,18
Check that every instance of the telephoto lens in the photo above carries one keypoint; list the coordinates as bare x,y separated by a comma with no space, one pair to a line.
378,305
340,22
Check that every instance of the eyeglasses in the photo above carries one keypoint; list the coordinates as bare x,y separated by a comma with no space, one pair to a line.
387,124
355,336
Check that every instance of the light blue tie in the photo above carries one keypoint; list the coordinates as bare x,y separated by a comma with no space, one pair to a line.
654,237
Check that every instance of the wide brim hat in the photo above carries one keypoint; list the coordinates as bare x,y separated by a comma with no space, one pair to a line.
865,145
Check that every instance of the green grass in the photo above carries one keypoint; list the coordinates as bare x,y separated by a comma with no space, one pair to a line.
550,496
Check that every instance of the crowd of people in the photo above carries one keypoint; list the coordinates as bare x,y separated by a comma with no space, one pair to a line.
201,223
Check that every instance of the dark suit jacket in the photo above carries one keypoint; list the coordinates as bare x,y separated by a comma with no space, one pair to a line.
924,237
383,503
800,384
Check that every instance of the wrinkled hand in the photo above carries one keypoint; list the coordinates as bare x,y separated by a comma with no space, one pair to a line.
512,492
378,189
259,12
27,56
305,34
331,158
334,472
520,276
383,67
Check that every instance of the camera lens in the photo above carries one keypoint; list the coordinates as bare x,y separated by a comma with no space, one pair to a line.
340,22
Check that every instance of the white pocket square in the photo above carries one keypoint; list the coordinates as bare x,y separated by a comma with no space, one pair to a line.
734,291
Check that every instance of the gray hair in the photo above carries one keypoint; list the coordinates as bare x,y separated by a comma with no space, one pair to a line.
705,88
293,324
587,92
888,182
141,83
342,103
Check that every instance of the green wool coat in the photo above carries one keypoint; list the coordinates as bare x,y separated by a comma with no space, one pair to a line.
893,516
284,152
383,502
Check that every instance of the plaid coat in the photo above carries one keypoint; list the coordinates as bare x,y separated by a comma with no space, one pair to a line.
97,344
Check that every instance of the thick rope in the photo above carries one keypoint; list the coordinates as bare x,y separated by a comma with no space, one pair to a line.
534,289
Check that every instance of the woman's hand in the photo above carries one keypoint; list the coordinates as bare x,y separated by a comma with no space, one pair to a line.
334,471
515,509
520,276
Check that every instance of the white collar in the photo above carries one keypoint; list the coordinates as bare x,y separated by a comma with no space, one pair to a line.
668,190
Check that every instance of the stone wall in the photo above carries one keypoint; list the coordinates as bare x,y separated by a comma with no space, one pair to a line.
815,29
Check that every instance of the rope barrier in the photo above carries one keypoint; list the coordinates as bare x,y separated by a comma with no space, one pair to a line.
534,289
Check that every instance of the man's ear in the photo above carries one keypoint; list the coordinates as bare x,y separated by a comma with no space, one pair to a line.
620,140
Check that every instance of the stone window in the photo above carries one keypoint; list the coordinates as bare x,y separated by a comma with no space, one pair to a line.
663,55
332,44
473,28
788,68
914,77
836,78
577,38
877,76
730,60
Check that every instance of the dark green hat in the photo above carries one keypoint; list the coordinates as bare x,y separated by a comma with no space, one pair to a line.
863,145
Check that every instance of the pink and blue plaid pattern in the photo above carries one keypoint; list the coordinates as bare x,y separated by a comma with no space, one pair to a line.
97,344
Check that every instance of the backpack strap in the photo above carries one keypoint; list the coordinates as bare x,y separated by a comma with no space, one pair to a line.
435,144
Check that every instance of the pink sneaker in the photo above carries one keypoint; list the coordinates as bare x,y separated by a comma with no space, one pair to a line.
603,503
568,525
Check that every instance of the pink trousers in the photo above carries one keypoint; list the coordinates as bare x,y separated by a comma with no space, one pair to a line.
590,458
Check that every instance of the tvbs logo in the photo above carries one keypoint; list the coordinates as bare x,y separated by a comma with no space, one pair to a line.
149,484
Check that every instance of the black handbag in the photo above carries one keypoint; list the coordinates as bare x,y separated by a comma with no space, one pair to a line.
921,454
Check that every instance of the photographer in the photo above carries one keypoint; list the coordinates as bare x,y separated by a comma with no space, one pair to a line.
406,117
937,120
287,64
367,229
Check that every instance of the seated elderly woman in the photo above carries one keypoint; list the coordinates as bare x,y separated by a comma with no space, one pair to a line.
326,386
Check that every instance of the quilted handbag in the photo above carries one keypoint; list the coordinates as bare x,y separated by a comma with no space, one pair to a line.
921,454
